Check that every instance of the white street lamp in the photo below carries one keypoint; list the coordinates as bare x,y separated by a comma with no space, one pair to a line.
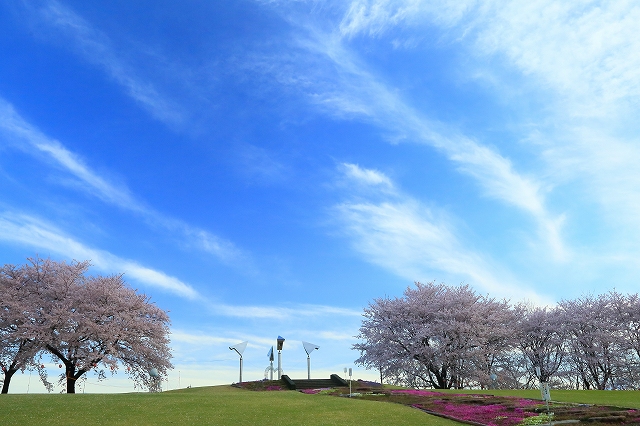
308,348
239,348
270,355
280,341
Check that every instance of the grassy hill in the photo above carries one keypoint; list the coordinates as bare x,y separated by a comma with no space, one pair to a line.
217,405
225,405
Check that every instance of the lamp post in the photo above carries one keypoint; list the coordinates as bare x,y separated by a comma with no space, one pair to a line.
270,355
239,348
308,348
280,341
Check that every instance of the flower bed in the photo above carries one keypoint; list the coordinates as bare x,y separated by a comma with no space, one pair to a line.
476,409
314,391
490,410
261,385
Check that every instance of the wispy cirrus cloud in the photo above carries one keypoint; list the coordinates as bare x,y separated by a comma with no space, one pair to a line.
375,17
21,134
366,176
201,339
585,51
340,84
581,61
95,47
35,233
411,240
38,234
280,312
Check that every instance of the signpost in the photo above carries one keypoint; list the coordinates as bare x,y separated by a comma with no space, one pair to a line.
545,392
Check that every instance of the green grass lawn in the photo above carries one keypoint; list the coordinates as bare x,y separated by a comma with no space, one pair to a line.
217,405
224,405
626,399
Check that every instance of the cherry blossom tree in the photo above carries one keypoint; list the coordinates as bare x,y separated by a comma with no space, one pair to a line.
104,323
436,336
540,336
496,341
631,319
626,312
89,323
595,340
18,344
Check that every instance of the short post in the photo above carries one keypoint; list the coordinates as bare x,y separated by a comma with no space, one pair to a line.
545,392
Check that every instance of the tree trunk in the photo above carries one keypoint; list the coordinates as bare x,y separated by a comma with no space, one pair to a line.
7,380
71,380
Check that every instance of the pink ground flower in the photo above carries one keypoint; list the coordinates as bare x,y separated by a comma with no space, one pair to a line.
313,391
416,392
273,388
491,415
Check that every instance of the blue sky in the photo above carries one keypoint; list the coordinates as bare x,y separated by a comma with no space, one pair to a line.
264,168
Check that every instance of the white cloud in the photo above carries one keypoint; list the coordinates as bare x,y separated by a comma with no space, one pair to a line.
27,137
581,61
375,17
279,312
586,51
410,240
332,335
20,131
200,339
366,176
258,165
37,234
96,48
353,91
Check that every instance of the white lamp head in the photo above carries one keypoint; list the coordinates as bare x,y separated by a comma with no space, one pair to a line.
309,347
270,354
240,347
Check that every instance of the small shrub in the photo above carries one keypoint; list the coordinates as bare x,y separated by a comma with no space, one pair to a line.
542,418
